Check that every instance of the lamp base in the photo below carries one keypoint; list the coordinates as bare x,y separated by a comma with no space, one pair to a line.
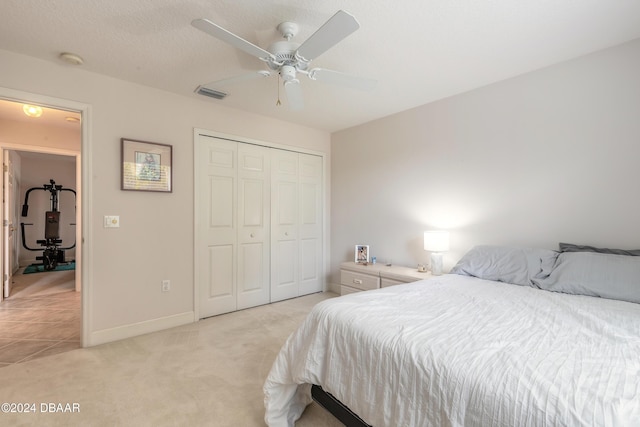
436,264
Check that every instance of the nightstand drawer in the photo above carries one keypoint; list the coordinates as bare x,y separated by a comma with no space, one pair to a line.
390,279
345,290
359,280
384,282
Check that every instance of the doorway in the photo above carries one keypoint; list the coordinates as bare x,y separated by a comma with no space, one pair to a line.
49,302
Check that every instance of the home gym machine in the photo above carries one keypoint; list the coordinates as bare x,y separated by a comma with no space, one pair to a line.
53,253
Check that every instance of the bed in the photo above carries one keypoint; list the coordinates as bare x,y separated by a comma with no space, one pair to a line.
515,337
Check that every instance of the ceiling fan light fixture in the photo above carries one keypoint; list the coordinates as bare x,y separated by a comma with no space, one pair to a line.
288,73
32,110
205,91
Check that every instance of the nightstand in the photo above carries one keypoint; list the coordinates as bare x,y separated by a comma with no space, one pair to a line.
359,277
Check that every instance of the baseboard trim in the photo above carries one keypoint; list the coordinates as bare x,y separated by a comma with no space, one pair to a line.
128,331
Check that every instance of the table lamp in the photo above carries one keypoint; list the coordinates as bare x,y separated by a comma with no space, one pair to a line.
436,242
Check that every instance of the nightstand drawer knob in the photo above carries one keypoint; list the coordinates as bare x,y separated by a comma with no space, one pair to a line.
357,281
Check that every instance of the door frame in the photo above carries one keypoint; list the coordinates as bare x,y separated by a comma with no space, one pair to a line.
8,211
197,220
6,148
83,189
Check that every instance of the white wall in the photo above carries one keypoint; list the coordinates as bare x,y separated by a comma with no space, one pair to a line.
155,240
545,157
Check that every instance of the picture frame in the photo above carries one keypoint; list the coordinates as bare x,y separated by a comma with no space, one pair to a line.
146,166
362,254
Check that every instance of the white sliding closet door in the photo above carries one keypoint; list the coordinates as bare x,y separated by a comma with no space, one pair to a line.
296,224
259,224
310,229
235,226
217,261
254,225
284,225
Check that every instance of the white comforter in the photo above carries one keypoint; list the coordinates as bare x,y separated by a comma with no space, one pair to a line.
460,351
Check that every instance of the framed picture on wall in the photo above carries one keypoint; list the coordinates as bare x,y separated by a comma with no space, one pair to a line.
146,166
362,254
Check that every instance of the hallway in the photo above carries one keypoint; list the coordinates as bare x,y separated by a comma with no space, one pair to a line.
40,318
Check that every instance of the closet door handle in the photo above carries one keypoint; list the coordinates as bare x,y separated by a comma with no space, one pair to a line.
286,233
251,235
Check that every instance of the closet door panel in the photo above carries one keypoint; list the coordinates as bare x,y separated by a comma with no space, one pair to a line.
250,275
253,207
218,227
284,225
287,271
221,272
287,209
254,200
308,261
310,224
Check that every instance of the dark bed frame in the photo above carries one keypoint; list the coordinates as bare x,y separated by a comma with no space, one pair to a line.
336,408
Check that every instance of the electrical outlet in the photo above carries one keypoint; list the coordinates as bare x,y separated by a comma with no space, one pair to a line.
166,285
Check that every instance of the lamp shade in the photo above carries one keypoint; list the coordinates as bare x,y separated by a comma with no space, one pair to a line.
436,241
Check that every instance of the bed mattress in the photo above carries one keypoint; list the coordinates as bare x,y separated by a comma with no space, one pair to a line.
461,351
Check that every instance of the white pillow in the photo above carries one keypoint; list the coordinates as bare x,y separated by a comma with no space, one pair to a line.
596,274
519,266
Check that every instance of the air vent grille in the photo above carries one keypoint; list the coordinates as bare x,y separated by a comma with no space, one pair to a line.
201,90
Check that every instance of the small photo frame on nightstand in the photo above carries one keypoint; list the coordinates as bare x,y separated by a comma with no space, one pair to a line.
362,254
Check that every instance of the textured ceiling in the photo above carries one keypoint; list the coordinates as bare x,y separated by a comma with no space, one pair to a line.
418,50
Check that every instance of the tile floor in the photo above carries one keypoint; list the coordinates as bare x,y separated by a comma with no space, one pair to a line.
41,317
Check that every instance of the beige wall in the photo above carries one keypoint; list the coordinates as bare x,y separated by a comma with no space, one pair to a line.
29,133
155,240
545,157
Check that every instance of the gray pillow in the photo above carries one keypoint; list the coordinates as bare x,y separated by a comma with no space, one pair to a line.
518,266
569,247
596,274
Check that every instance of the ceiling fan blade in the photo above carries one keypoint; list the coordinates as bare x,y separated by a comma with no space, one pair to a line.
294,94
228,37
342,79
333,31
237,79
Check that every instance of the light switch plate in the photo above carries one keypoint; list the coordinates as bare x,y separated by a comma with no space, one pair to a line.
111,221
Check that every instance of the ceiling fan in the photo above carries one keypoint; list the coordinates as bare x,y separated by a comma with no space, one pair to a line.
290,59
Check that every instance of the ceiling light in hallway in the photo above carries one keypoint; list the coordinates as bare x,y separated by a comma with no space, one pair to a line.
32,110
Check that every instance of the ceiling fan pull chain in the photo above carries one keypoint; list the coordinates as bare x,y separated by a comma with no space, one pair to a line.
278,103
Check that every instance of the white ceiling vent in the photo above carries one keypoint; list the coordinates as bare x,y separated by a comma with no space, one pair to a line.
201,90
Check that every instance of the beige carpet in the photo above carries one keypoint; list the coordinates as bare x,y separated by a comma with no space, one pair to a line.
209,373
